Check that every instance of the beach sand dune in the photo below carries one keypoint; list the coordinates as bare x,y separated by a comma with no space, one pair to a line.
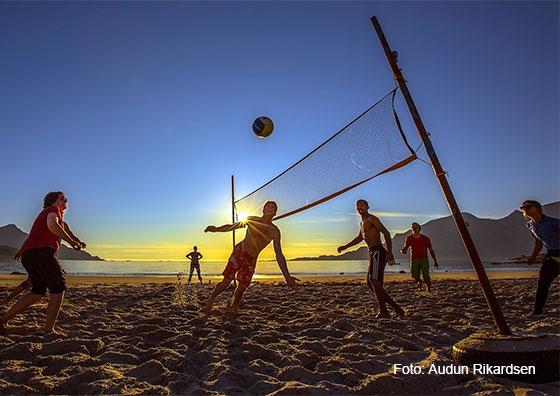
148,338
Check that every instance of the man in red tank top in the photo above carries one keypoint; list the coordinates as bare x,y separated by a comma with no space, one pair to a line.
419,262
37,255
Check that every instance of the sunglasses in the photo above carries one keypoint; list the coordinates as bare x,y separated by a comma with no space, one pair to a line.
63,199
527,207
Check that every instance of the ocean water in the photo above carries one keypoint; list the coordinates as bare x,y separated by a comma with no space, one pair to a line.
264,268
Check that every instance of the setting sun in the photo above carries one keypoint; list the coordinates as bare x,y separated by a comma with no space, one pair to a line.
242,216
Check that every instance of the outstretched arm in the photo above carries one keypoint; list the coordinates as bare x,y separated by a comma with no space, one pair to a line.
353,242
74,237
290,280
54,225
225,227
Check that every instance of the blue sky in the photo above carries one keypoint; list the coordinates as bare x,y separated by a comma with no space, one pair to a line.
141,111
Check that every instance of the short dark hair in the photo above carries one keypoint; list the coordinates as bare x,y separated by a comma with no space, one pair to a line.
272,203
195,248
362,201
530,202
416,224
51,198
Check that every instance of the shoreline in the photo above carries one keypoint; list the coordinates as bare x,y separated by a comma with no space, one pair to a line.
13,279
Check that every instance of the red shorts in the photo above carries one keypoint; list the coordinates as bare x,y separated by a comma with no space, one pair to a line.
242,264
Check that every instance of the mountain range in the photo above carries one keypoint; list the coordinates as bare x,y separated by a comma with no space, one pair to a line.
495,239
11,238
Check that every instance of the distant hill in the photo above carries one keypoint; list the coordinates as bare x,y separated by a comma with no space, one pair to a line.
495,239
10,235
7,253
11,239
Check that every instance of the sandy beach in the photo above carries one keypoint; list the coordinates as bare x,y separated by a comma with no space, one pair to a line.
143,335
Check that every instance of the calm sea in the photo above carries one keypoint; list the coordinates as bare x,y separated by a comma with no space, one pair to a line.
166,268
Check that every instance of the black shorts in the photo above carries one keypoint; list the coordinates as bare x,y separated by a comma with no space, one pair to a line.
44,271
377,262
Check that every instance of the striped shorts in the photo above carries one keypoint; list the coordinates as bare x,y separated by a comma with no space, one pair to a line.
377,262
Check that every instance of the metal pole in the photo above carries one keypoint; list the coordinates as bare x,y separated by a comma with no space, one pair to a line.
440,174
233,208
233,216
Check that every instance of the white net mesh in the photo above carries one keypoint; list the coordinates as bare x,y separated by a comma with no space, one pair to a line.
370,145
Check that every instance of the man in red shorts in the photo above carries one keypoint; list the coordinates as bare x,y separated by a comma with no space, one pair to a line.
38,257
241,264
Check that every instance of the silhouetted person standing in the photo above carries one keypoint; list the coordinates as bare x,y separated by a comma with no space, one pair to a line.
194,256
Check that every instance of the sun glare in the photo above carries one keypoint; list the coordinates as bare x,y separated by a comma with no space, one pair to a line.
242,216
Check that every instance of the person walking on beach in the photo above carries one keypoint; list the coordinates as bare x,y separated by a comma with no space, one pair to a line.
241,264
194,256
546,231
37,255
419,262
370,231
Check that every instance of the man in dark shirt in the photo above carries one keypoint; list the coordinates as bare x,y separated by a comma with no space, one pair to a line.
546,231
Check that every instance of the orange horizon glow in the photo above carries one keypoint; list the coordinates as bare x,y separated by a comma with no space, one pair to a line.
215,253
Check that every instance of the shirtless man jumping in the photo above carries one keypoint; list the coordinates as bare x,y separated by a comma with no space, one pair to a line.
370,232
241,264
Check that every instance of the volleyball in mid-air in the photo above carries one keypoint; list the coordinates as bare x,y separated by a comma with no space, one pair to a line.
263,127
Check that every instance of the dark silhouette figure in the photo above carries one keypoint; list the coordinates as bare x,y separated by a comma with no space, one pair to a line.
194,256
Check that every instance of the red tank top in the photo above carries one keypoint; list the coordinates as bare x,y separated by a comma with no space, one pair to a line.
419,246
40,235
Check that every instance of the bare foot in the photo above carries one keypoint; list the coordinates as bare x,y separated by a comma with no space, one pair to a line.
53,332
535,315
382,314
